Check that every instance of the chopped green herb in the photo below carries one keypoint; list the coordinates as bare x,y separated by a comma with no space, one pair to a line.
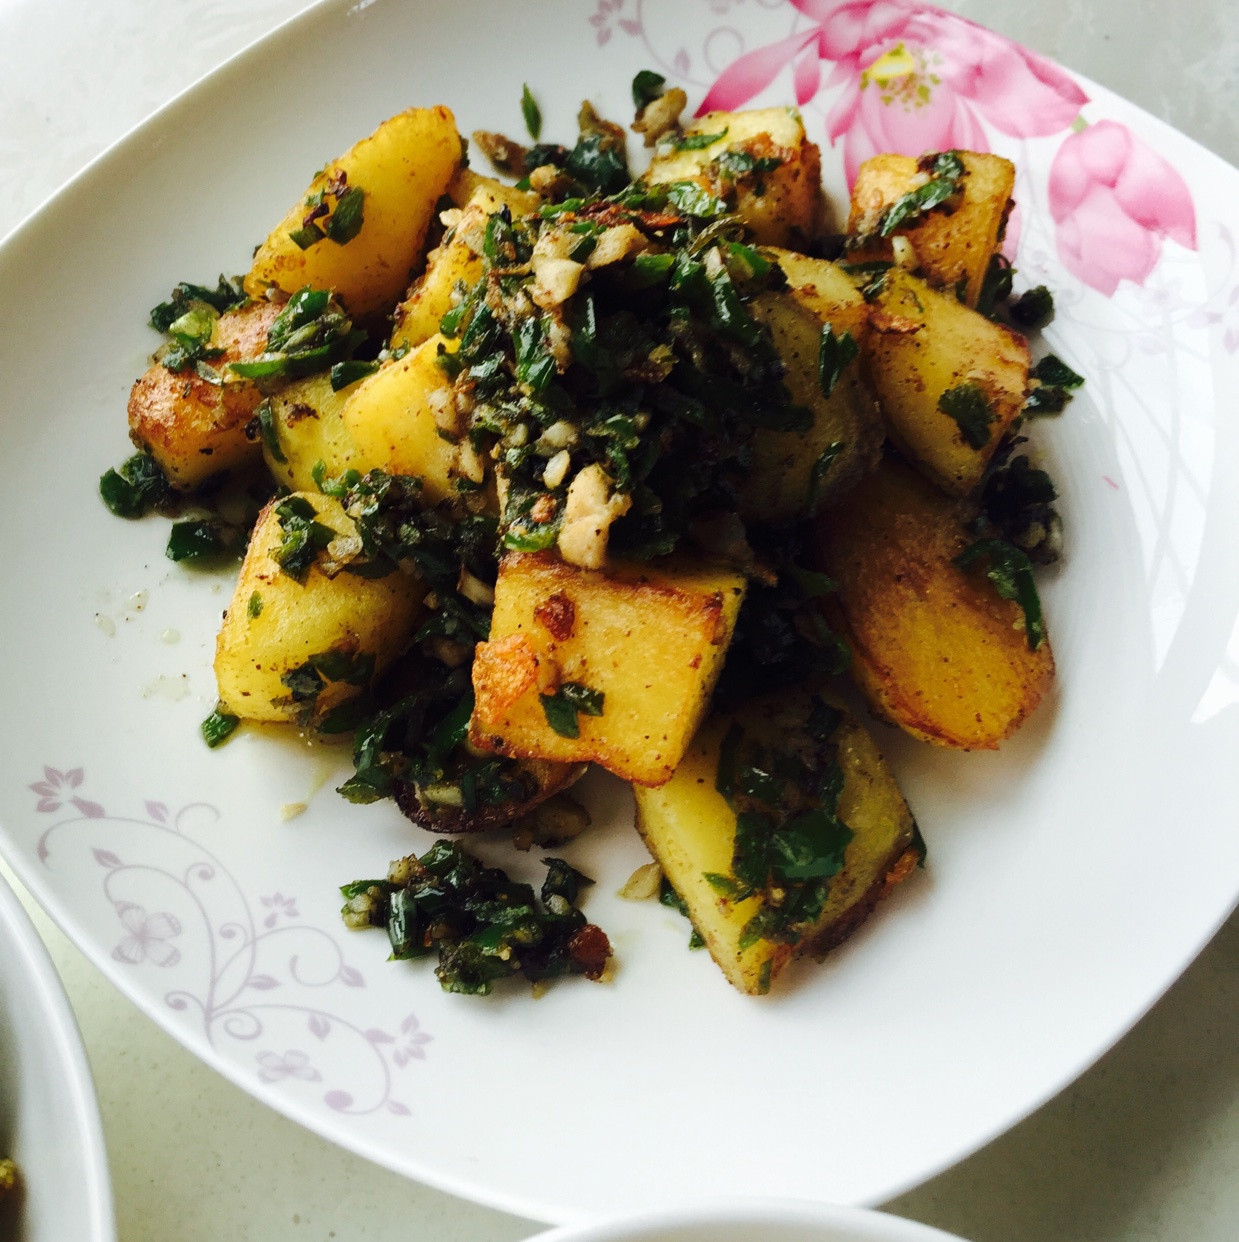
346,221
995,287
532,113
203,539
303,536
269,431
647,86
565,704
219,726
1055,385
1053,371
1033,309
946,171
311,334
697,142
254,607
834,354
1010,570
306,236
736,165
968,405
137,488
226,296
349,372
691,199
483,926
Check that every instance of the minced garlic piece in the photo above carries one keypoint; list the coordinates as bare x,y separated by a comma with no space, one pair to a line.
589,510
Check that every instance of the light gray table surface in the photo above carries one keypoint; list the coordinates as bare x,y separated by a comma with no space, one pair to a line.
1145,1146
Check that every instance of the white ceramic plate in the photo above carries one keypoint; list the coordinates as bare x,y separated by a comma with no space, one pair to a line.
742,1220
49,1117
1072,876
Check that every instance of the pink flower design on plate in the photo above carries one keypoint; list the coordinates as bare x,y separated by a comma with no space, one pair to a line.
1115,201
279,905
293,1064
608,16
414,1043
54,789
914,79
1227,318
148,936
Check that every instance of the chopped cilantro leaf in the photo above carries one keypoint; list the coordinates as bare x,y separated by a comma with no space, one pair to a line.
565,704
531,112
137,488
219,726
946,171
697,142
1010,570
834,354
1054,371
1033,309
647,86
346,221
968,405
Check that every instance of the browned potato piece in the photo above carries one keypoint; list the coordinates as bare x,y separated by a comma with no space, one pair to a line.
469,185
795,472
953,249
401,170
194,429
927,354
390,418
650,639
307,427
344,628
458,257
936,650
691,831
761,162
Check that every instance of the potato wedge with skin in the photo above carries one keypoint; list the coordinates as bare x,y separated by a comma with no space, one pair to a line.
691,831
953,249
276,626
307,427
402,170
390,419
649,638
928,354
795,472
761,163
935,649
194,429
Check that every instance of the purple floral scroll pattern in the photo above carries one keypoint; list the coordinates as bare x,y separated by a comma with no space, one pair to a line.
266,989
906,77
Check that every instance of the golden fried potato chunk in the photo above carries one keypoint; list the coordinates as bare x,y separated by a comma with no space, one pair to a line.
613,665
457,260
759,162
935,648
952,245
193,428
360,227
402,420
794,473
306,427
691,829
295,645
949,381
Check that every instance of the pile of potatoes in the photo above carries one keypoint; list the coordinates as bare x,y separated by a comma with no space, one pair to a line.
935,649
